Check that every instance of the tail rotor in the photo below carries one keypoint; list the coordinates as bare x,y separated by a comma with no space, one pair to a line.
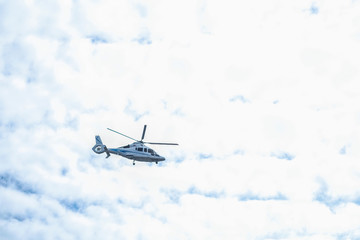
100,147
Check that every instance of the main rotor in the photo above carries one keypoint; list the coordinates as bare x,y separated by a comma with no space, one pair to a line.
142,138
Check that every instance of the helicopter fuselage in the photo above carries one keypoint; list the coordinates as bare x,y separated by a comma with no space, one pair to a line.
137,151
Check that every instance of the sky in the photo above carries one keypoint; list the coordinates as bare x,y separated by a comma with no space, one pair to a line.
262,97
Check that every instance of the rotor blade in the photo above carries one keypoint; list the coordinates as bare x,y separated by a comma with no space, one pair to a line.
143,135
123,134
155,143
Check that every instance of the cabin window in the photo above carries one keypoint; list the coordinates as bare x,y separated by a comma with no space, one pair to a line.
140,149
145,149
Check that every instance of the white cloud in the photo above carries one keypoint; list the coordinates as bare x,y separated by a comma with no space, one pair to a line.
262,97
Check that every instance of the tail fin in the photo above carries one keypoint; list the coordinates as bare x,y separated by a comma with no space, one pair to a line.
98,140
100,147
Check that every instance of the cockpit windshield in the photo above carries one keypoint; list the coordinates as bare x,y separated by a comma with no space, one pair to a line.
152,152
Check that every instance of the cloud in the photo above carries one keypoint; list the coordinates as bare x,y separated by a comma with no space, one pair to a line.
262,98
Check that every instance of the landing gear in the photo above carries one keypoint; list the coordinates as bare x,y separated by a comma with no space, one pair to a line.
156,162
134,162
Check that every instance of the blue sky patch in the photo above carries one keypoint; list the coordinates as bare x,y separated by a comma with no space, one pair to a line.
32,74
8,181
277,235
211,194
322,195
72,122
314,10
283,155
179,159
142,10
343,150
17,60
16,217
143,40
132,112
64,171
73,205
205,156
252,197
239,152
240,98
178,112
173,195
357,201
193,190
11,126
97,39
144,37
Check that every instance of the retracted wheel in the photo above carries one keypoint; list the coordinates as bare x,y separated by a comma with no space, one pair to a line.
133,162
156,162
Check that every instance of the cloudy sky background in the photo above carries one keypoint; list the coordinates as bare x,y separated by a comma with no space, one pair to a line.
262,96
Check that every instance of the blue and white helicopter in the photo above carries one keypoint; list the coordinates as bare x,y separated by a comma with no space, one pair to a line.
136,151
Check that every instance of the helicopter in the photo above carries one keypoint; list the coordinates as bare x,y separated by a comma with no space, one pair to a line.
136,151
